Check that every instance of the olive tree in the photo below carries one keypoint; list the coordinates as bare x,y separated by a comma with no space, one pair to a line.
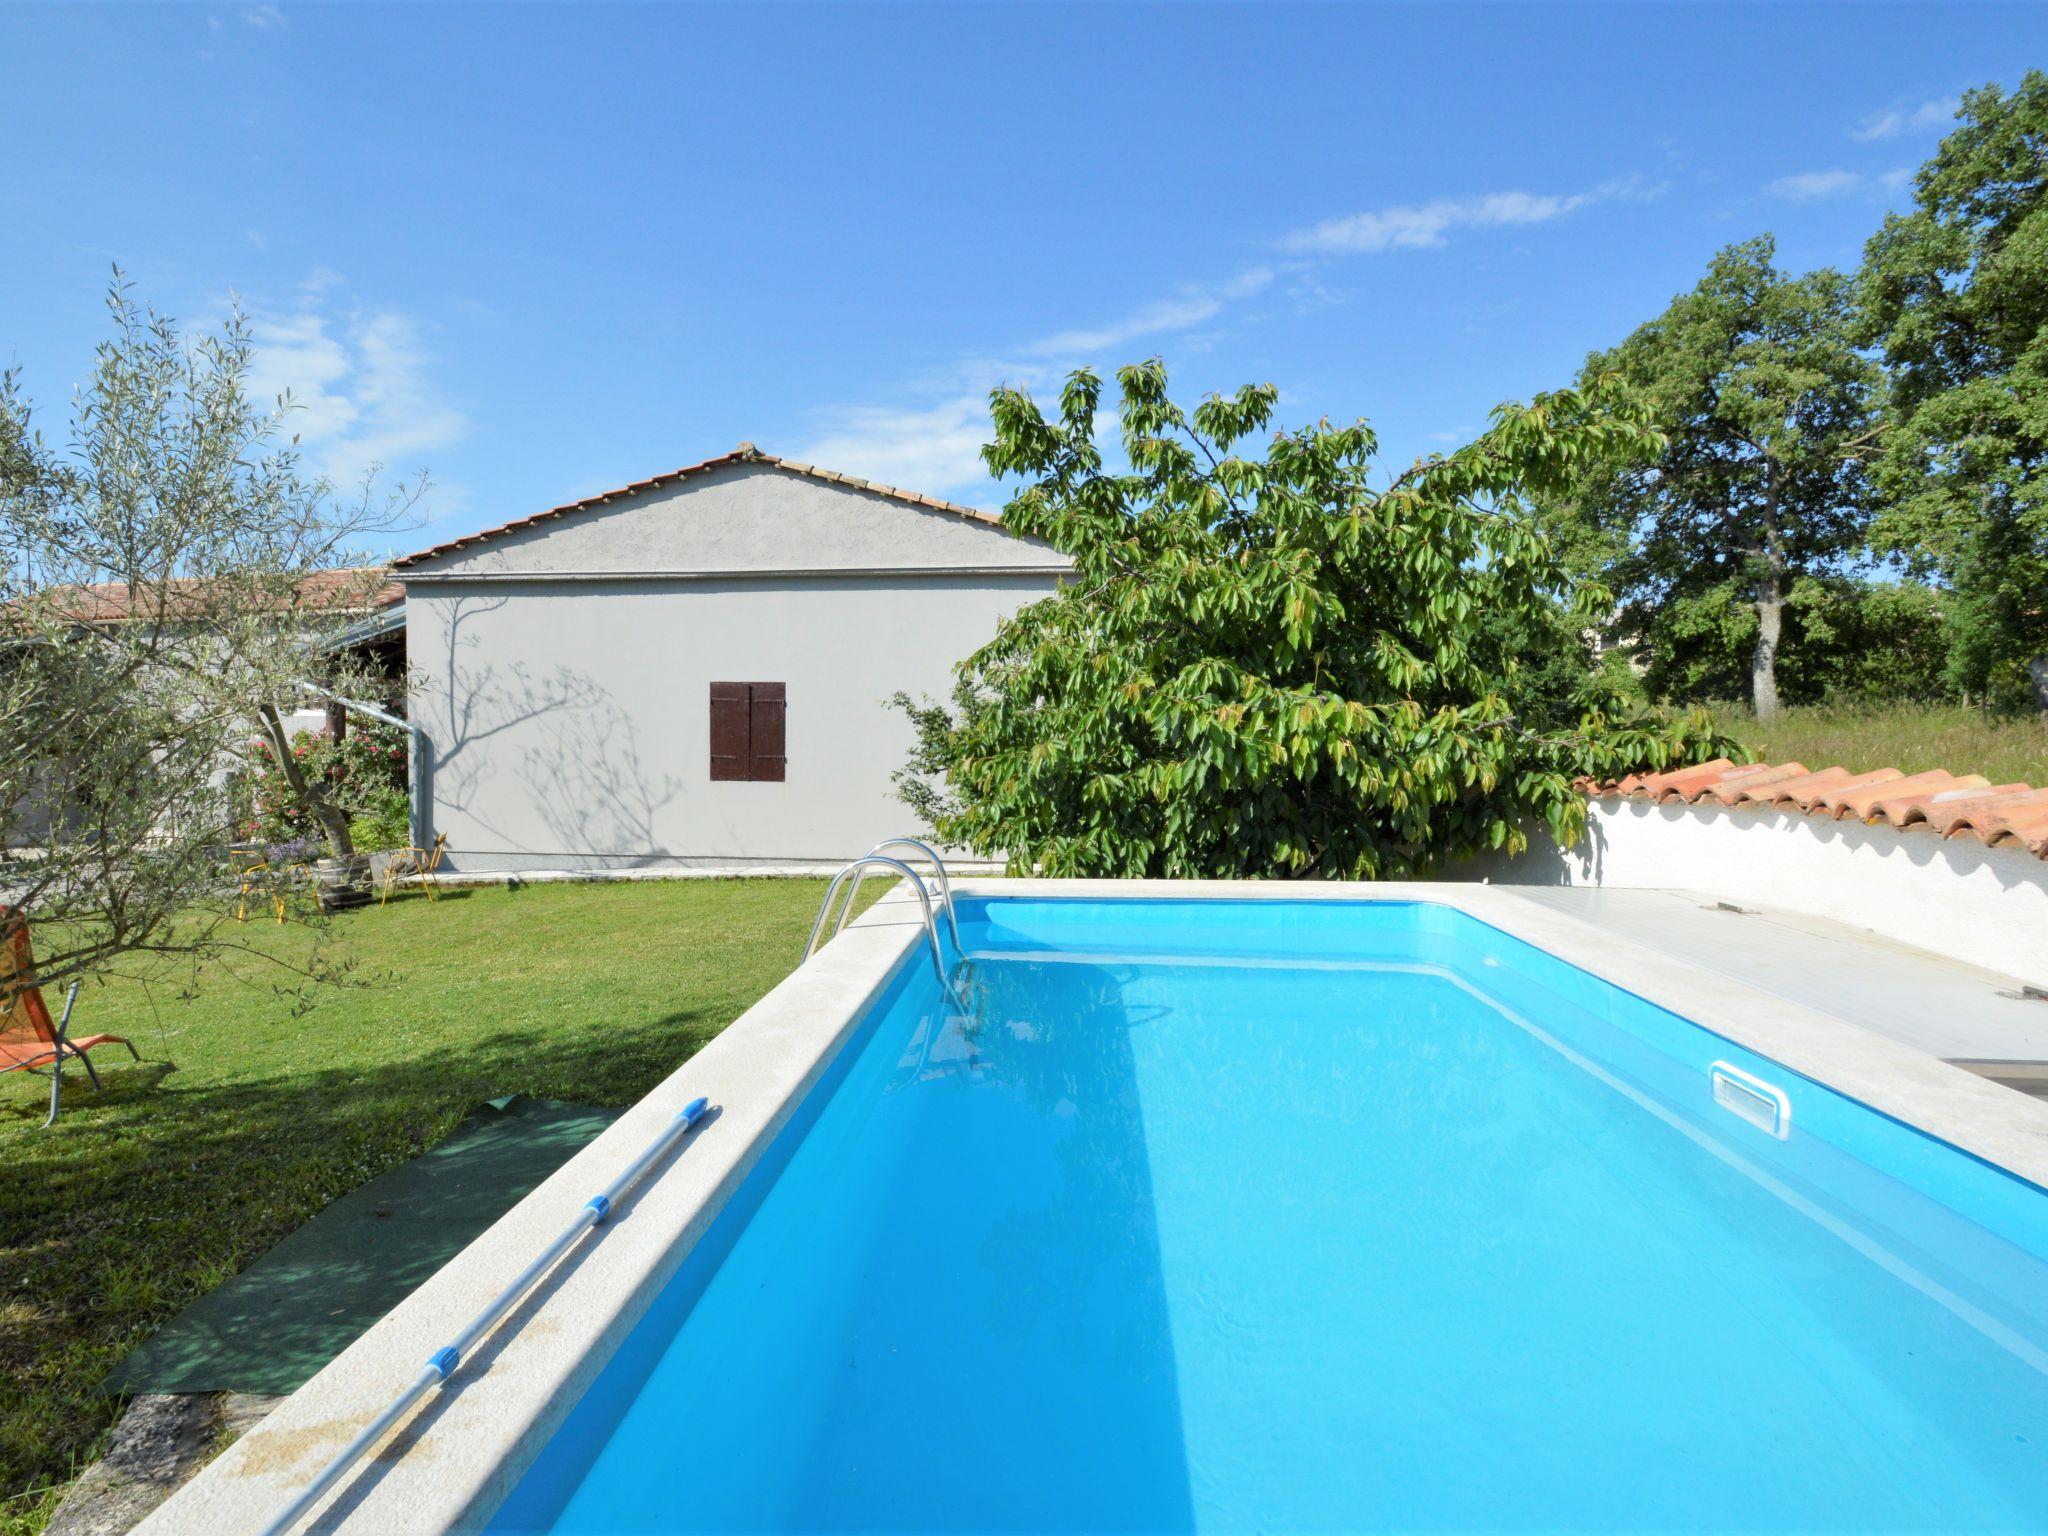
158,607
1264,664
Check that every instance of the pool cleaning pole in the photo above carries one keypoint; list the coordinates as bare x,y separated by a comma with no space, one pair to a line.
443,1362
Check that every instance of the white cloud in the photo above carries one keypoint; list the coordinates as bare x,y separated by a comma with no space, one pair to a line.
935,449
1893,121
935,446
1816,186
933,441
263,17
1193,305
361,381
1410,226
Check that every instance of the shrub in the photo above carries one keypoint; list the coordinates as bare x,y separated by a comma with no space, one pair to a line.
1842,639
385,823
1266,666
361,772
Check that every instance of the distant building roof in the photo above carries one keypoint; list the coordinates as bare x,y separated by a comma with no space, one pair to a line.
746,453
348,589
1944,804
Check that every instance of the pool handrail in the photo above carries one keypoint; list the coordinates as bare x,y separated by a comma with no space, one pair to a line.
924,901
939,868
444,1361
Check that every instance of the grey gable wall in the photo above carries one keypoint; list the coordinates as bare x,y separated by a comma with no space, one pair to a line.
562,672
747,517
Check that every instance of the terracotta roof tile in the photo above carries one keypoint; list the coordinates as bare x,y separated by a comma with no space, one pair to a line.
1799,791
1938,813
1891,800
1949,805
746,453
2021,821
1738,786
347,589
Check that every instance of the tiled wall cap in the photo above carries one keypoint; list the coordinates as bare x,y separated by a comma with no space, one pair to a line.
1951,805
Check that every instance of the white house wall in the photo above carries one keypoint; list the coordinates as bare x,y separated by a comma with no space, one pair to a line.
570,729
562,672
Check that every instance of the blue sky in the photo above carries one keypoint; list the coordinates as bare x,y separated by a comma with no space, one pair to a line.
546,250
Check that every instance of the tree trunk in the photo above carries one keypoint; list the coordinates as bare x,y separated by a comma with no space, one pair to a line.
1770,610
332,819
2037,674
1763,662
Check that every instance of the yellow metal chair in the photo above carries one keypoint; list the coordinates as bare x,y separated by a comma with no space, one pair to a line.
258,880
420,863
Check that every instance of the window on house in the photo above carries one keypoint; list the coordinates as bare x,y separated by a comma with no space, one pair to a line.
747,731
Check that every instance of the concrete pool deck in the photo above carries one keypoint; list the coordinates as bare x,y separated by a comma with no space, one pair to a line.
1947,1008
452,1463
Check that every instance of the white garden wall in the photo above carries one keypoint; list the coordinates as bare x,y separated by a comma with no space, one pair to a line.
1954,896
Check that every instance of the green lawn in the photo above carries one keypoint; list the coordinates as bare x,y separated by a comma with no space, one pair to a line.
1910,737
248,1115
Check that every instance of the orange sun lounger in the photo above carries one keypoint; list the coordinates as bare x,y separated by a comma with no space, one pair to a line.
29,1042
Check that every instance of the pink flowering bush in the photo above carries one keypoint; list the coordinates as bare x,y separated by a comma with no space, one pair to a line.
364,773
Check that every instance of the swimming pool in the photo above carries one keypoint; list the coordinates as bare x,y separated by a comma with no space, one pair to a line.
1291,1215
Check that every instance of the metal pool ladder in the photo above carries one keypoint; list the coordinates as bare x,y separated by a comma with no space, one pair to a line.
938,870
858,870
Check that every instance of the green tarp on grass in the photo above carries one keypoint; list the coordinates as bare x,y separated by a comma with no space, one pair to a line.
278,1322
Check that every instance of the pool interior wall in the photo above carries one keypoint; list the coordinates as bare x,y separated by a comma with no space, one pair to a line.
1234,1214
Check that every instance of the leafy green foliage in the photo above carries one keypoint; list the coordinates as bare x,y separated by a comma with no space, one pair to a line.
1767,407
385,823
359,774
1956,293
1843,639
1265,666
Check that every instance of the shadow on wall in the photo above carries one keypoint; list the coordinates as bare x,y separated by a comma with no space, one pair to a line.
2014,869
1985,906
1682,828
591,791
1545,862
586,783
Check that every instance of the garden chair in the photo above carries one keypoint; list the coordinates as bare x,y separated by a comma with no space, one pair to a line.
254,869
419,862
29,1042
264,881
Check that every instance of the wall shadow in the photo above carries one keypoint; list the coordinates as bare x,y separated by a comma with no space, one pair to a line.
584,783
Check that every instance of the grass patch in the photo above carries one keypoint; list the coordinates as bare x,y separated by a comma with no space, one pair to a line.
1910,737
247,1115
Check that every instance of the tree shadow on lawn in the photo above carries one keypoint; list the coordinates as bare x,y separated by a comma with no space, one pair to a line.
149,1194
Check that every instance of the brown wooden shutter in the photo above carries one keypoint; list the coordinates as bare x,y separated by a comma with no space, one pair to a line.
730,730
765,759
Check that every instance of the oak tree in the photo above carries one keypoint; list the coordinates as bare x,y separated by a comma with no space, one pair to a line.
1956,293
1769,411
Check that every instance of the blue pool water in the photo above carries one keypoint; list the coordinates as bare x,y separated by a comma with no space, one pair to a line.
1320,1216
